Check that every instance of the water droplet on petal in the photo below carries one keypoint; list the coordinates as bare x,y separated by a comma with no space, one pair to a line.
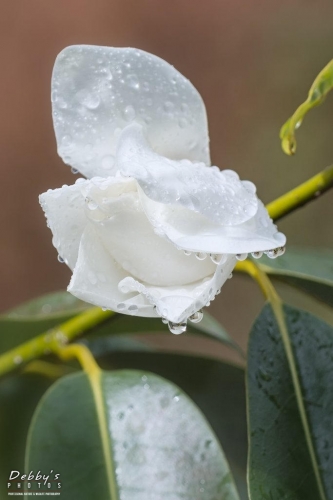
121,305
187,252
257,255
218,258
74,171
201,255
168,106
272,254
129,113
133,81
196,317
281,251
177,328
91,101
92,205
241,256
60,259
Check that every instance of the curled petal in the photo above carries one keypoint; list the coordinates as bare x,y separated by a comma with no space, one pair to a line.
219,196
97,91
194,232
131,241
96,277
177,303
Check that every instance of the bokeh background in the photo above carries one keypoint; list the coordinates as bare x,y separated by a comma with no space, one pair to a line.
252,62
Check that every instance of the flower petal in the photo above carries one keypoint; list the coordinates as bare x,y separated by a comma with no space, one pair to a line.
194,232
130,239
96,277
178,303
64,210
97,91
219,196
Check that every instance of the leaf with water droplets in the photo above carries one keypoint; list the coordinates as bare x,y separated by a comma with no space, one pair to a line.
137,435
290,406
309,270
317,93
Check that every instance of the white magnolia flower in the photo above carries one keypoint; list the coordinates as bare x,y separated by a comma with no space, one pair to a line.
153,230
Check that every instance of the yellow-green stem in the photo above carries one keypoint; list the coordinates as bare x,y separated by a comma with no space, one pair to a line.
301,195
51,340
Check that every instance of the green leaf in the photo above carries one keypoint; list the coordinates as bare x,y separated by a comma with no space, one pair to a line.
216,387
48,306
129,435
37,316
309,270
19,396
317,93
290,406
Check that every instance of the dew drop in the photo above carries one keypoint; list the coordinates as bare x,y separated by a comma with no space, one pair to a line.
196,317
272,254
92,205
133,81
74,171
177,328
257,255
241,256
121,306
182,122
187,252
60,259
218,258
201,255
129,113
168,106
91,101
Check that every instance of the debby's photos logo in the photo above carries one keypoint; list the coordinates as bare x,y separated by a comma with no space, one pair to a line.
33,484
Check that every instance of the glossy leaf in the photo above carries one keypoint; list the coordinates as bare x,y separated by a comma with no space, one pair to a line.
37,316
48,306
129,435
290,406
216,387
309,270
317,93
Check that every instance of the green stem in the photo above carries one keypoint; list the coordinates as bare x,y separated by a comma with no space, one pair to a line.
301,195
53,339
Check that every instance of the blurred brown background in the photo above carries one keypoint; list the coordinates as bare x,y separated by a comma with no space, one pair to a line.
252,62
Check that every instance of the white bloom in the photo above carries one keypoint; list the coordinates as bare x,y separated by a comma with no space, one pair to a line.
153,230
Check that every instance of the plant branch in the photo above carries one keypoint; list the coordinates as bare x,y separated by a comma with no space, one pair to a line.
52,340
301,195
